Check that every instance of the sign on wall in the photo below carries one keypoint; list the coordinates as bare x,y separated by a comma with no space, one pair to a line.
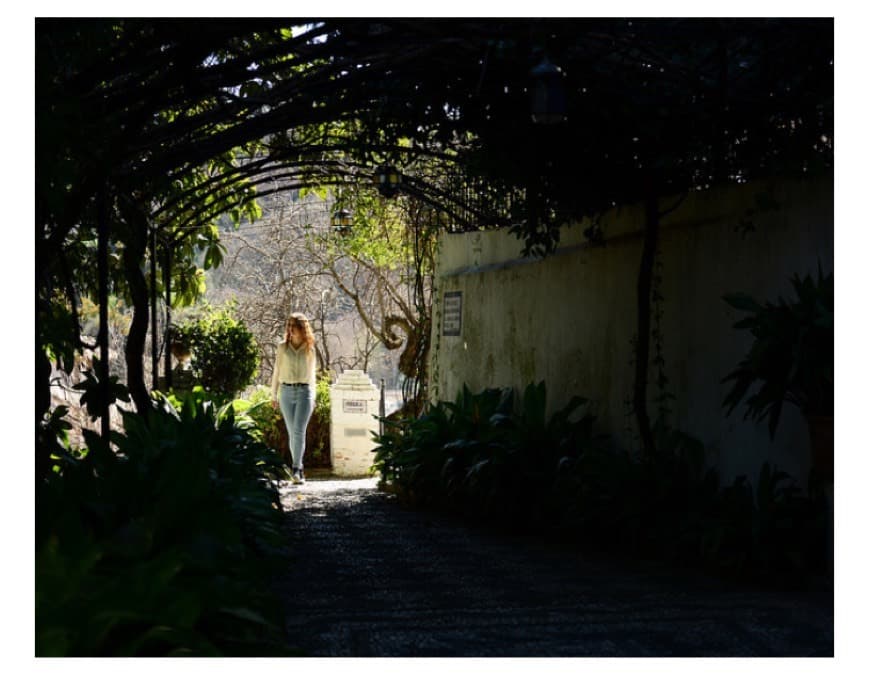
452,314
355,406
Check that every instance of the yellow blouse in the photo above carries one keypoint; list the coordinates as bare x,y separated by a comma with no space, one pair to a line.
293,365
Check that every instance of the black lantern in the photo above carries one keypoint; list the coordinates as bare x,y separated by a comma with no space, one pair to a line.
342,220
549,102
388,180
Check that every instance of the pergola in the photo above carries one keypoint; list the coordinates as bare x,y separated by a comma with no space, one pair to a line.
147,130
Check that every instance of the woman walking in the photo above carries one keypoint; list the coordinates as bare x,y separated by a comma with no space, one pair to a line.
294,386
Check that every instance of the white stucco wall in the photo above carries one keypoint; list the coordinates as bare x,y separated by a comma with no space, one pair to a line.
569,319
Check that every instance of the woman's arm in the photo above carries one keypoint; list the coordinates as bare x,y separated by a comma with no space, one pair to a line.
312,367
276,373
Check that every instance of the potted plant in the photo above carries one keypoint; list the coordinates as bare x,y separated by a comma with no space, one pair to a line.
790,360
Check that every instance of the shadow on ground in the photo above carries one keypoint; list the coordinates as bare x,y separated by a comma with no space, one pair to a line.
369,578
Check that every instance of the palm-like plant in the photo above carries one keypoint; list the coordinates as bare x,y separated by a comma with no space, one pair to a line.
791,357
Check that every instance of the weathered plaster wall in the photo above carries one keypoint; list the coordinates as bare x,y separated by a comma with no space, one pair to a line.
570,319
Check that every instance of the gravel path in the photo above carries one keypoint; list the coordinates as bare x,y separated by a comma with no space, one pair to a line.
369,578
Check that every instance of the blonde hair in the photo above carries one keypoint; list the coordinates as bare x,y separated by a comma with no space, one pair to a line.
300,321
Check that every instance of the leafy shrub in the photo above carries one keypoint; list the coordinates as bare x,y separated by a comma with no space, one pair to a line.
481,453
482,456
773,532
791,356
91,397
317,444
225,356
267,424
673,507
164,545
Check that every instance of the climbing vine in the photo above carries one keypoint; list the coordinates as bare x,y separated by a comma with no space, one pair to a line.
663,396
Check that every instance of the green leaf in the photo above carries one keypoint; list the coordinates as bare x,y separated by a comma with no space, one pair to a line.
742,301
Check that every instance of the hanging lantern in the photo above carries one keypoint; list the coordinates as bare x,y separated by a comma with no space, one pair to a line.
549,100
342,220
388,180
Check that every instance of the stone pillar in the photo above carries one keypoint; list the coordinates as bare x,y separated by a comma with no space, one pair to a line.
355,401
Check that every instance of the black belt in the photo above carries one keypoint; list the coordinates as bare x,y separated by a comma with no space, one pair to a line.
296,384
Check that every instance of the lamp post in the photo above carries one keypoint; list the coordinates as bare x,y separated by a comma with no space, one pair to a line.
549,100
326,296
388,180
342,220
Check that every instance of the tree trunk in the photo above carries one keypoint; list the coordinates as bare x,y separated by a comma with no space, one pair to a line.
155,364
134,254
167,287
43,405
103,299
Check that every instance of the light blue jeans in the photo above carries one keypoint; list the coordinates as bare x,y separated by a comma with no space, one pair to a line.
297,405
